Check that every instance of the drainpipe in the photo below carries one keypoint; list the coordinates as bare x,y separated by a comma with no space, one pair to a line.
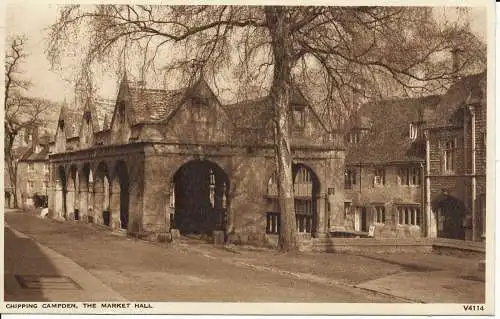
422,198
428,212
473,151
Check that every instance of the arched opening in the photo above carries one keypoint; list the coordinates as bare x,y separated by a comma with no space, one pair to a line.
123,184
450,217
200,194
306,194
306,191
101,193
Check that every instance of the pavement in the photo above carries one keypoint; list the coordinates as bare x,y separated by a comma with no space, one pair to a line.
109,266
35,272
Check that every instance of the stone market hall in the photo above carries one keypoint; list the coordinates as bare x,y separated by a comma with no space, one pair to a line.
179,159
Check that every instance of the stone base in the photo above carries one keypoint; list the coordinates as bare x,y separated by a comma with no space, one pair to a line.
175,234
218,236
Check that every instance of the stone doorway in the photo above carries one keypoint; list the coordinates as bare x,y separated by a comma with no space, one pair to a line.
450,217
201,199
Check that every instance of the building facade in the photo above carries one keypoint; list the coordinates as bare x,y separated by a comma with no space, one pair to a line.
417,167
180,159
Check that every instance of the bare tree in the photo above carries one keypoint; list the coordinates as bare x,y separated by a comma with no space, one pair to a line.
350,52
21,112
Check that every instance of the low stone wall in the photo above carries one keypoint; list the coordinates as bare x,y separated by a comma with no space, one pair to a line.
360,245
458,248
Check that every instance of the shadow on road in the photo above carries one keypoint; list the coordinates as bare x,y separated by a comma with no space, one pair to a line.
24,264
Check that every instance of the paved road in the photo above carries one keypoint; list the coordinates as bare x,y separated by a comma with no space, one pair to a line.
137,270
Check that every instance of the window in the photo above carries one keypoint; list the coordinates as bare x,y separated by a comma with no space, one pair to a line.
299,119
409,215
347,209
272,223
303,215
409,176
303,176
449,156
380,214
29,187
31,167
45,168
349,178
379,176
413,131
45,186
198,114
353,136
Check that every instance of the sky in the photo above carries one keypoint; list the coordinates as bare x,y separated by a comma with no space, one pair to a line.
33,19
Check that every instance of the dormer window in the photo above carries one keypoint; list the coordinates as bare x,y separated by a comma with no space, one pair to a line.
299,118
354,136
413,131
61,124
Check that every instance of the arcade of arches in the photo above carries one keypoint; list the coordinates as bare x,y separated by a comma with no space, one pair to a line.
152,192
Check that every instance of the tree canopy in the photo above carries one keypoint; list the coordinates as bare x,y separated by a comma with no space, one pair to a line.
339,56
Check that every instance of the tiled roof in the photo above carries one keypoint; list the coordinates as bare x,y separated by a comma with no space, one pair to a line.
252,114
388,139
151,105
257,113
467,89
30,155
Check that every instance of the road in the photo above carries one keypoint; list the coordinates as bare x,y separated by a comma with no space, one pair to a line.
106,266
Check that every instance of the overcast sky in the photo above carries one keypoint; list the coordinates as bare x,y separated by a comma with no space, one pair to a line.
33,18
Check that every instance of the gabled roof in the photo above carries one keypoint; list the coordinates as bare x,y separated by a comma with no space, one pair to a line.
388,140
257,113
469,88
252,114
152,105
71,117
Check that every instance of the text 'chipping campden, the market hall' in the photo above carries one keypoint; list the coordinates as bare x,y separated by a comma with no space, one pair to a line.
179,159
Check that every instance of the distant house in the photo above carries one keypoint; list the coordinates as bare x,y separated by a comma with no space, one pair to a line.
33,174
416,167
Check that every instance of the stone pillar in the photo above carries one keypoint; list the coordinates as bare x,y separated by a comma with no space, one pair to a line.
90,201
70,201
321,223
114,204
98,202
83,202
58,200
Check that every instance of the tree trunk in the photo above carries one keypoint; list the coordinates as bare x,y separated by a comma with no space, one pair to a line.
280,95
11,164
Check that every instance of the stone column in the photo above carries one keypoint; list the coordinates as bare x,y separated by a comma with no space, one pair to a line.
83,204
90,201
70,201
321,215
58,200
114,205
98,202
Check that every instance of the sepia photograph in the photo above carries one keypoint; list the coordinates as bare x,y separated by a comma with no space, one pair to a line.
197,155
